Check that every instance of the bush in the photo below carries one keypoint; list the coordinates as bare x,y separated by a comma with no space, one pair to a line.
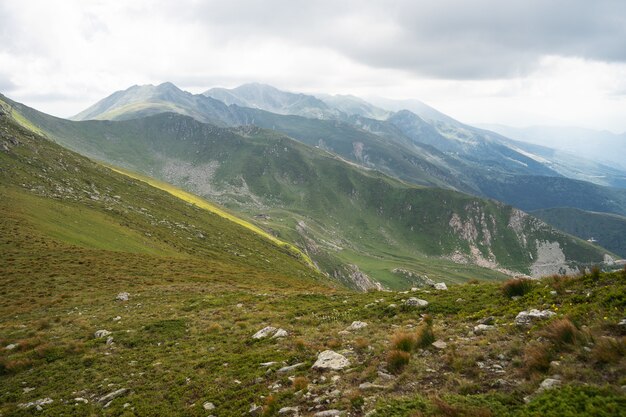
517,287
300,383
537,358
424,336
397,360
404,341
561,332
609,350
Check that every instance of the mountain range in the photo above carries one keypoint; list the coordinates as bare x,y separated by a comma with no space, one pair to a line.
349,190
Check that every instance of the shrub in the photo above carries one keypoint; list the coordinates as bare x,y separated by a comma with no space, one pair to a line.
517,287
424,336
609,350
537,358
397,360
595,273
300,383
361,344
404,341
561,332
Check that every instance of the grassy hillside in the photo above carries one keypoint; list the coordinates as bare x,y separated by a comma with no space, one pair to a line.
609,230
341,215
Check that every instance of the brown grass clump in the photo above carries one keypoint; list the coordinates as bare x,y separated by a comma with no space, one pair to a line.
361,344
404,341
333,344
537,358
424,336
609,350
214,328
300,383
397,360
517,287
561,332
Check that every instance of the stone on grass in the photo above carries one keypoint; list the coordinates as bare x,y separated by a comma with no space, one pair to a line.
329,413
440,344
549,383
264,332
288,411
280,333
331,360
123,296
481,328
527,317
11,346
208,406
356,325
112,395
255,410
416,302
286,369
101,333
369,386
441,286
37,403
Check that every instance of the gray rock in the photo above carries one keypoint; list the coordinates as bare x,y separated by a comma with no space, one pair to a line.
208,406
288,411
109,340
287,369
112,395
488,321
524,318
622,323
440,344
416,302
280,333
101,333
369,386
123,296
11,346
37,403
549,383
441,286
329,413
481,328
264,332
81,400
357,325
255,410
331,360
267,364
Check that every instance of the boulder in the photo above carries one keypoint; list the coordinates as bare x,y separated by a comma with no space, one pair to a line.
416,302
441,286
524,318
208,406
264,332
329,360
356,325
288,411
440,344
101,333
329,413
549,383
123,296
481,328
280,333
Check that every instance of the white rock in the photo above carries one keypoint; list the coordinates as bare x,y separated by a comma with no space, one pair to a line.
280,333
481,328
440,344
109,340
288,411
123,296
267,364
416,302
328,413
331,360
441,286
255,410
11,346
527,317
37,403
264,332
81,400
369,386
208,406
101,333
113,395
357,325
549,383
286,369
117,318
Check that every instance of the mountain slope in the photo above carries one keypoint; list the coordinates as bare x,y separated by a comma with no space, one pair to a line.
340,214
607,230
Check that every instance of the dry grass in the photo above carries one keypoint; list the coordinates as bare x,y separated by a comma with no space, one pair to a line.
404,341
536,358
517,287
397,360
561,332
609,350
424,336
300,383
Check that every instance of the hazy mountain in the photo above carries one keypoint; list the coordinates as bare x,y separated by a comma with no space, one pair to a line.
600,146
268,98
352,105
420,108
340,214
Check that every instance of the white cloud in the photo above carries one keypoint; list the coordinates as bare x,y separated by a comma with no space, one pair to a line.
62,56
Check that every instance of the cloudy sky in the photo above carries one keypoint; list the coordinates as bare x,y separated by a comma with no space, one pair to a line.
516,62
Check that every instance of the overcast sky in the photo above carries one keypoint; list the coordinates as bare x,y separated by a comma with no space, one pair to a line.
526,62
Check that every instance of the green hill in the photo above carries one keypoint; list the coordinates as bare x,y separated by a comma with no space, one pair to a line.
357,225
608,230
